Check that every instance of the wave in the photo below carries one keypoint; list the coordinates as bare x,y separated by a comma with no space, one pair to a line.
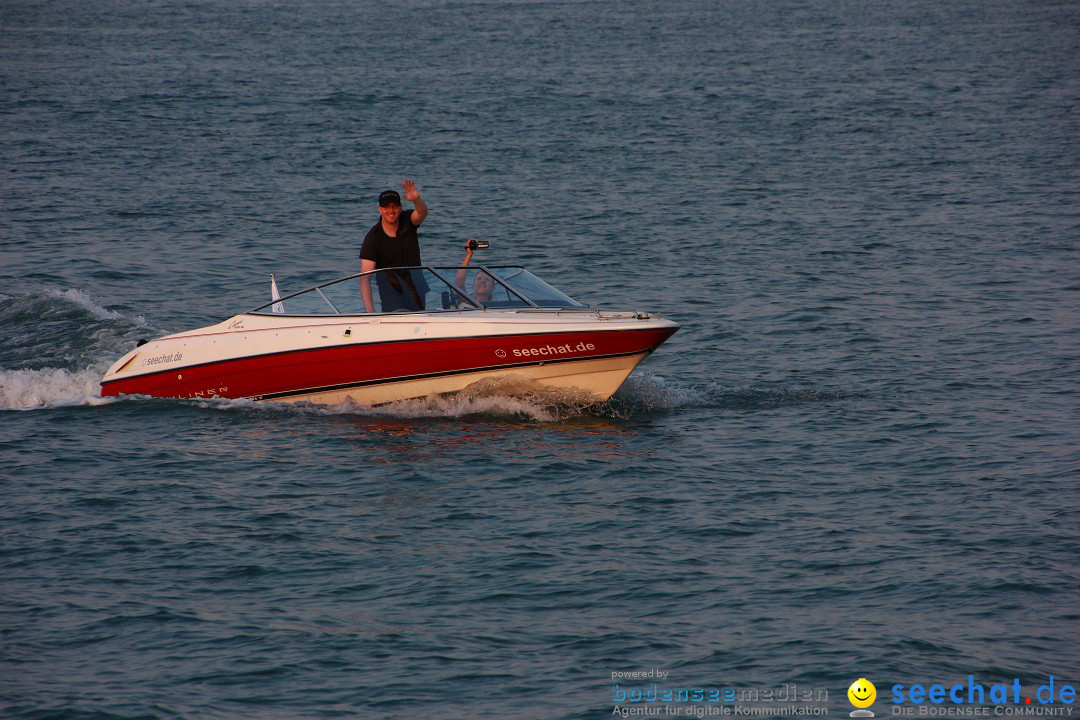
80,298
56,344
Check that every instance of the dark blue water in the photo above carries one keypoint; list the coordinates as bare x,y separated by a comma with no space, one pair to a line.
859,457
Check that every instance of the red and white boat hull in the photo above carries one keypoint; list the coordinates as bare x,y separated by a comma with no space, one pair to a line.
380,359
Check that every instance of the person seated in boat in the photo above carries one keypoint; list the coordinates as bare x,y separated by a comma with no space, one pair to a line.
483,284
393,242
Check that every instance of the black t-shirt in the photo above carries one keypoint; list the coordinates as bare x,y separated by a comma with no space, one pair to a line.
386,251
397,290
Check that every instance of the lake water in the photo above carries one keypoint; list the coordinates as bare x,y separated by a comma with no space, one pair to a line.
858,458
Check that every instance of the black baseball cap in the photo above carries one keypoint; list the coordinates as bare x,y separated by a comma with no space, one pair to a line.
389,197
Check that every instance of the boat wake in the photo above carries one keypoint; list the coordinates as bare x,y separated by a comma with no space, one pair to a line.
56,344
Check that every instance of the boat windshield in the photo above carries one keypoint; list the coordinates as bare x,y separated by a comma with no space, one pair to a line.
528,285
422,289
505,286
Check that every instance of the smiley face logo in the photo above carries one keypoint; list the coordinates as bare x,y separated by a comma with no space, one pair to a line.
862,694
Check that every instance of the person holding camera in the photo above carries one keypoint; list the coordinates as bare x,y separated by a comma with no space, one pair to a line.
393,242
483,284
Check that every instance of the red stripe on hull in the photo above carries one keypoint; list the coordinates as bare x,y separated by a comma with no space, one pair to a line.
292,372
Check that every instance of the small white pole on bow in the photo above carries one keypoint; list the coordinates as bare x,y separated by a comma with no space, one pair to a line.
275,294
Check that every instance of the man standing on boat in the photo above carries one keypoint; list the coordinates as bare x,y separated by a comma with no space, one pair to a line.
393,243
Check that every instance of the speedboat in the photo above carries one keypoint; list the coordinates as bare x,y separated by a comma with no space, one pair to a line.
393,334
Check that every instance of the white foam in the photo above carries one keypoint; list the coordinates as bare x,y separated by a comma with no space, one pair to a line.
455,406
49,388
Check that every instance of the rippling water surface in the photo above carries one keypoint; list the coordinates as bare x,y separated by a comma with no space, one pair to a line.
858,458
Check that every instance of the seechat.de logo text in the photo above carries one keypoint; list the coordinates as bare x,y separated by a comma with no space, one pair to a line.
975,699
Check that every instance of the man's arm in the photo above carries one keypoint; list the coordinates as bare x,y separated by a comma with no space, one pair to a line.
413,195
365,284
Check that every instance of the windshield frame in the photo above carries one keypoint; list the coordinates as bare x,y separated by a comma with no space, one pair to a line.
473,303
